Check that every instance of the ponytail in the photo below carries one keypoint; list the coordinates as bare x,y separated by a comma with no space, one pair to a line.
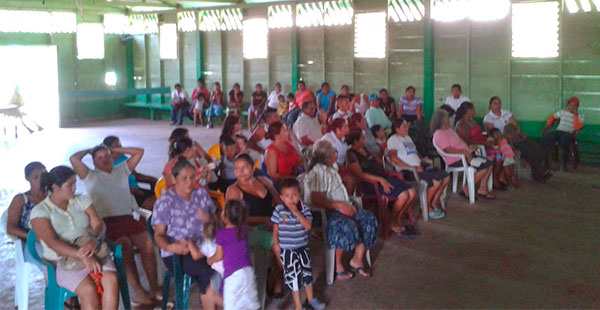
57,176
179,146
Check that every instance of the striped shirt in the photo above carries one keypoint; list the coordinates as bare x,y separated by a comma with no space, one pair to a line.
567,121
292,234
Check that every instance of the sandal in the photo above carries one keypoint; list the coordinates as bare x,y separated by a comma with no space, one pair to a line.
362,271
344,275
487,196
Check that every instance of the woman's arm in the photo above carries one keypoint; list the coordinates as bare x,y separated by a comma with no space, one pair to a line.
360,174
320,200
419,112
76,162
217,257
160,237
14,215
46,233
393,155
135,155
96,223
271,164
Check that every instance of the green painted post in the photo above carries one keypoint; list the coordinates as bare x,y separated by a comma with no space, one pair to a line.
295,59
200,55
428,62
129,66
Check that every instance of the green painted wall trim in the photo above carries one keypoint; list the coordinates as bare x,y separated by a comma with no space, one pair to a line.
295,58
200,55
428,62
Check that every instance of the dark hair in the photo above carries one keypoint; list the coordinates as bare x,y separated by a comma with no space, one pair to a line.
182,163
345,86
306,104
177,133
33,166
301,82
375,129
409,88
236,84
397,124
179,146
493,132
448,109
277,83
201,80
98,148
383,90
236,212
177,85
230,121
258,84
241,137
288,183
274,130
353,136
354,120
492,100
336,124
227,140
245,157
110,140
324,84
57,176
462,110
456,86
291,95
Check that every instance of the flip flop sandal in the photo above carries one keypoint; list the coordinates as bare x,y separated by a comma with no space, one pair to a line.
362,271
487,196
350,275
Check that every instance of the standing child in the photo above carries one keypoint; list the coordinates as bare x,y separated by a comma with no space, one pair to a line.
239,290
198,108
291,229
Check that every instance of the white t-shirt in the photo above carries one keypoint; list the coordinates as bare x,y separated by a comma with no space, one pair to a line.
498,121
405,149
455,103
341,114
340,146
567,121
272,101
179,96
110,191
307,126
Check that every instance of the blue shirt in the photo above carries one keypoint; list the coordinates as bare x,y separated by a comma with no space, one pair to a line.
292,235
325,99
133,183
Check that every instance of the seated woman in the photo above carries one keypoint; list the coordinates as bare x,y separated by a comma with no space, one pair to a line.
282,160
375,115
236,100
232,126
259,195
358,122
69,230
336,134
184,148
410,107
109,189
496,117
470,132
349,228
144,197
179,230
365,168
446,139
403,153
20,207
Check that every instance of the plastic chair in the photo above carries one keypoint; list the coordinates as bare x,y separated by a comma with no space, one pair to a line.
160,186
329,253
214,151
467,171
55,296
22,267
183,282
421,186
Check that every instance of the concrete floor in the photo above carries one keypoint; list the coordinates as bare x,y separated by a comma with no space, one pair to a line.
536,247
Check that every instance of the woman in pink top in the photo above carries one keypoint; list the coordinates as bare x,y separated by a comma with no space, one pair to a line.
446,139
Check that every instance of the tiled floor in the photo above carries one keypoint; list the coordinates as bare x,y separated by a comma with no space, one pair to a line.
536,247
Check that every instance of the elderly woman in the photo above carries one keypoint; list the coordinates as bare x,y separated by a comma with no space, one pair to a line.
108,187
349,228
21,205
282,160
446,139
69,229
402,151
178,229
497,117
336,134
366,168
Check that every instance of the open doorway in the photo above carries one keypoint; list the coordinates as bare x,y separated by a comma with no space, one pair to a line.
28,89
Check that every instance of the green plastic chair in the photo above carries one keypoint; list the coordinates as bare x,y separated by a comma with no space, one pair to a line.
55,296
183,282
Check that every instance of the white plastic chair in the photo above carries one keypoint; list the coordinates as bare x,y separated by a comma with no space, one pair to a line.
467,171
421,185
330,253
22,268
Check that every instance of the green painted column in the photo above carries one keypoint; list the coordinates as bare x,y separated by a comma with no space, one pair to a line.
200,55
129,65
428,62
295,58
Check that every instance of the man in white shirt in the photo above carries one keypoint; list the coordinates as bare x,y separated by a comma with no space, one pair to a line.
456,99
307,128
180,104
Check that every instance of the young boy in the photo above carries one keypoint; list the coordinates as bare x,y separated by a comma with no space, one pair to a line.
570,122
291,230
